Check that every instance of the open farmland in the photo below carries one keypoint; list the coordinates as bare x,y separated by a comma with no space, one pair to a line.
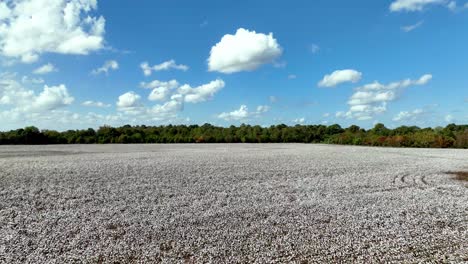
232,203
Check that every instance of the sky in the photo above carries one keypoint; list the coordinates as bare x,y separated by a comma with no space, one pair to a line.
74,64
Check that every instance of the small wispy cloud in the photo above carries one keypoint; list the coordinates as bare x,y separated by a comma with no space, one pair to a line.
204,24
95,104
410,28
164,66
300,120
45,69
108,65
314,48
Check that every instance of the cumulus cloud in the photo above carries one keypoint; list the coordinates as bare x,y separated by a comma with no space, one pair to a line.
244,51
108,65
29,28
408,115
160,90
372,99
414,5
201,93
159,94
168,109
20,106
243,113
95,104
53,97
339,77
167,65
410,28
129,100
20,100
172,95
45,69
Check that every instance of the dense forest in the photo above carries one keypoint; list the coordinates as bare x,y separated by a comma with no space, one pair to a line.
452,136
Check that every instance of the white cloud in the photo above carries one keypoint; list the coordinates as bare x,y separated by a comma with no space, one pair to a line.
201,93
108,65
44,69
168,109
167,65
376,86
243,114
314,48
27,80
292,76
339,77
95,104
273,99
452,6
408,115
53,97
262,109
372,99
129,100
299,120
5,12
244,51
410,28
240,114
22,101
156,84
417,5
30,28
161,90
159,94
449,118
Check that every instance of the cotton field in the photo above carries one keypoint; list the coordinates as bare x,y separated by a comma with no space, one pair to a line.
225,203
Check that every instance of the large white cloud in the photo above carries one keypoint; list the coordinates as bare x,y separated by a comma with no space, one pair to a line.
414,5
372,99
29,28
244,51
339,77
243,113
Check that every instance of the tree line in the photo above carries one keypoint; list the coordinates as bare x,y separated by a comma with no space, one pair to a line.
451,136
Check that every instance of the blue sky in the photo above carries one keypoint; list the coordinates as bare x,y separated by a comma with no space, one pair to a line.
81,63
